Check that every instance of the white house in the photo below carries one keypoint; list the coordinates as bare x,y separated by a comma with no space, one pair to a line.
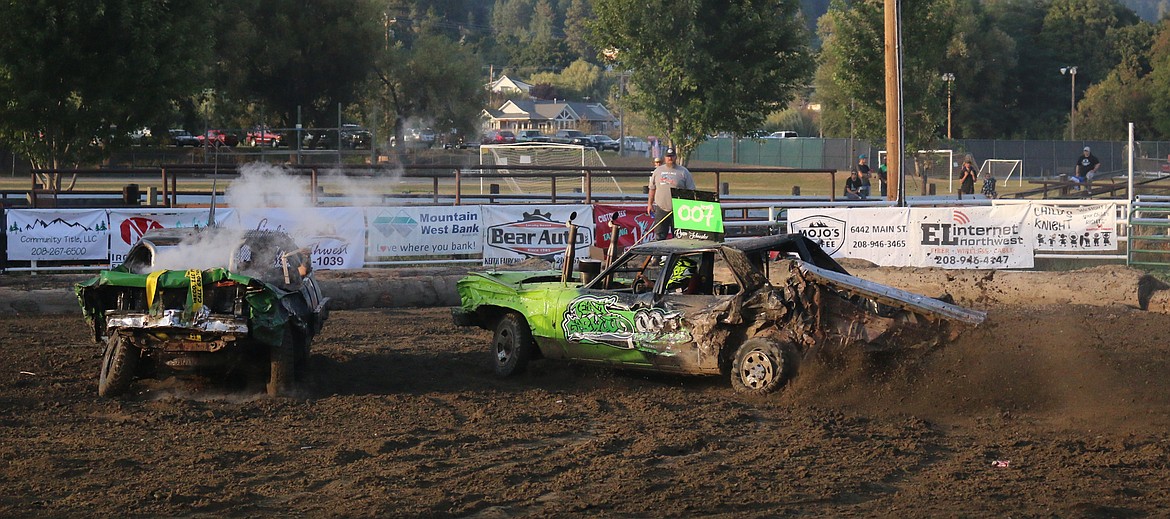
507,85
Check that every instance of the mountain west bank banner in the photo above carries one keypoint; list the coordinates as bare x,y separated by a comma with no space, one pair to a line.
423,231
127,226
953,238
57,234
513,233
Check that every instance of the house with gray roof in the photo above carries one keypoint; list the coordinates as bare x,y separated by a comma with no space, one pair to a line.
550,116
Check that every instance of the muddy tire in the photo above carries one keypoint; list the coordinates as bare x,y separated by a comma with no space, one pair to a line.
512,345
118,365
762,366
282,366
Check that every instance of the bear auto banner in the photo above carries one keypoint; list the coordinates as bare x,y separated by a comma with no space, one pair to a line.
57,234
337,235
878,234
972,237
513,233
423,231
127,226
632,222
1063,228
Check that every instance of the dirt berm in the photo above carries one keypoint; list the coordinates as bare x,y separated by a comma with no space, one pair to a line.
22,294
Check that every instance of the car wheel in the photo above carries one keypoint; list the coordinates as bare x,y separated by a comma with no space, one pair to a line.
512,345
250,142
118,366
762,366
282,363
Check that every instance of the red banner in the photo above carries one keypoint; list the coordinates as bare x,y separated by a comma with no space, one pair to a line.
632,221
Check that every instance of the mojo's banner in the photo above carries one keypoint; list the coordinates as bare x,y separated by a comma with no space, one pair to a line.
423,231
337,235
1075,228
57,234
632,222
513,233
878,234
128,226
972,237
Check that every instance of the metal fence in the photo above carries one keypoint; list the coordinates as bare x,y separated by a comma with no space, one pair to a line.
1040,158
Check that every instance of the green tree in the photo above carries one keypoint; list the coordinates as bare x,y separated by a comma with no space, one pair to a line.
286,54
1125,95
703,66
72,71
577,30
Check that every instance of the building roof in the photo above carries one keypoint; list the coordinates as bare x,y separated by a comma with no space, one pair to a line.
541,110
507,84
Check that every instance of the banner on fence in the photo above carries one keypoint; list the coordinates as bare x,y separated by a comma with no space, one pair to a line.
423,231
57,234
1075,228
632,221
513,233
965,237
127,226
337,235
972,237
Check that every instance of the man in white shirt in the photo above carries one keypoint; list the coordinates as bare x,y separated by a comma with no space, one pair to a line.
662,180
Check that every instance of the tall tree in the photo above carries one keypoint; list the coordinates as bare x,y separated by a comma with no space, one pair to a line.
311,54
72,71
703,66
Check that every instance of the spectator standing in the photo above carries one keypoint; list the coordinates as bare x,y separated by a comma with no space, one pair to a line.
883,175
989,184
1087,165
664,178
863,172
853,186
967,177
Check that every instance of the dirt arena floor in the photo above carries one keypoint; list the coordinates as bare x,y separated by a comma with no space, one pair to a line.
1045,411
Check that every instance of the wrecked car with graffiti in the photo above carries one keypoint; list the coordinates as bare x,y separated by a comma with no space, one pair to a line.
749,309
205,301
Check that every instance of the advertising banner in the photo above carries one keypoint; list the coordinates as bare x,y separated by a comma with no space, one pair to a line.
878,234
423,231
632,221
513,233
1075,228
972,237
58,234
127,226
337,235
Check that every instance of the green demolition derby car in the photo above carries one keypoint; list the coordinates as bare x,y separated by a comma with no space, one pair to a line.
748,309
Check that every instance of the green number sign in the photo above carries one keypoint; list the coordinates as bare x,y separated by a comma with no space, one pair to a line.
696,215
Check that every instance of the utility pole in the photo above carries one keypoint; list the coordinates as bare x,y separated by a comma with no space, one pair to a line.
894,144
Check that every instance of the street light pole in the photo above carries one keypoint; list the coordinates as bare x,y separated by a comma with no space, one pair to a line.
1072,108
950,79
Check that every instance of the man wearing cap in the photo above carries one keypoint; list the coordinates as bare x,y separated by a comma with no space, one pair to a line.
863,171
1087,165
664,178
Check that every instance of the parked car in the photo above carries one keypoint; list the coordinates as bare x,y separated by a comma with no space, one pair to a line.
261,136
352,137
604,142
355,137
180,137
783,134
572,137
636,144
255,312
498,137
419,138
748,310
218,138
531,136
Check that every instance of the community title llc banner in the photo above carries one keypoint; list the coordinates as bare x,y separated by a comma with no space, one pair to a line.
58,234
967,237
513,233
128,226
423,231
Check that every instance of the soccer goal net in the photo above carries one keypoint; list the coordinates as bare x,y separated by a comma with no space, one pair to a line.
1004,169
530,180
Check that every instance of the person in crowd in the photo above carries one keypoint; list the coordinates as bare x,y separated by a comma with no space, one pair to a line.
664,178
967,177
853,186
883,176
989,184
1087,165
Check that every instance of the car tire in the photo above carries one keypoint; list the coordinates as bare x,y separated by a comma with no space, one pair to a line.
250,142
512,345
762,366
118,365
282,366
